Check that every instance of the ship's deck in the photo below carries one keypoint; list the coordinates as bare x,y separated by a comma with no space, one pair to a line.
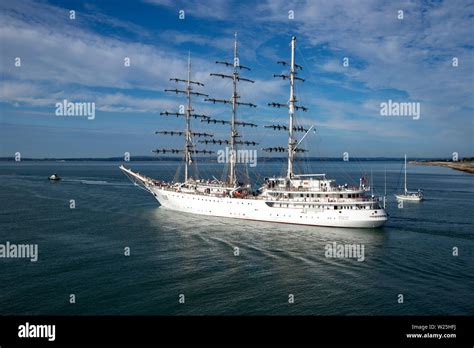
276,194
280,198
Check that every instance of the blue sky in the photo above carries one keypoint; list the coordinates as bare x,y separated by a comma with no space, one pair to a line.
81,60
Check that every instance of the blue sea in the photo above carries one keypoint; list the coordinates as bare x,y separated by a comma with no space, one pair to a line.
81,250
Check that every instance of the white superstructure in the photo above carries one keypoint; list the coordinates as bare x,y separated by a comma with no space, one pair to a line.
307,199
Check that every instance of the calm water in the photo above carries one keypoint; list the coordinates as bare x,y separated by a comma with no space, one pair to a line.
81,249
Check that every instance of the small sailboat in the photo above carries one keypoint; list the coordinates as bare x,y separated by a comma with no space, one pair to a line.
415,196
54,177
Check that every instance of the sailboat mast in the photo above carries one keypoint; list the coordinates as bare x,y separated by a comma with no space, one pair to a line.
406,173
291,110
233,131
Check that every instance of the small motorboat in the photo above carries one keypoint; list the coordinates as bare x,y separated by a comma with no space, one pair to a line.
54,177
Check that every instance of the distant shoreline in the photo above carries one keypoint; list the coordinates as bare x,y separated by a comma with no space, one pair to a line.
464,166
209,159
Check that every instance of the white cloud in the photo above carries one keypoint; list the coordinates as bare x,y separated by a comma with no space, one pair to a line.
411,55
412,58
210,9
71,58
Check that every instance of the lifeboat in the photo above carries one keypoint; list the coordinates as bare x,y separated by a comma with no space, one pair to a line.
238,194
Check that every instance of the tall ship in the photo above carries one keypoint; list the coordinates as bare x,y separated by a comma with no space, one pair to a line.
294,198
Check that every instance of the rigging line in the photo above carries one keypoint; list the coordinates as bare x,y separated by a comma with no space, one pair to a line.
177,175
341,169
399,178
195,160
314,77
306,64
363,170
374,192
359,168
360,165
323,159
135,182
302,159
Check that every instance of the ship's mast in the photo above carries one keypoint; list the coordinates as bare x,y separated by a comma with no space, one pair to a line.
233,131
234,134
292,107
188,149
188,141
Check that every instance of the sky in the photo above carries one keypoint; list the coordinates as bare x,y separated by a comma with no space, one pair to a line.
81,59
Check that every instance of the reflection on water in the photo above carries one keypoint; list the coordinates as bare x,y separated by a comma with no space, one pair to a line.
288,237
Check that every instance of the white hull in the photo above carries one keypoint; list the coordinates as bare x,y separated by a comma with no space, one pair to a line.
258,209
409,195
409,198
303,199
